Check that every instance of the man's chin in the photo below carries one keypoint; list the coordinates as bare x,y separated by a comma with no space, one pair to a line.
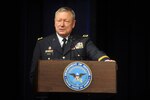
63,34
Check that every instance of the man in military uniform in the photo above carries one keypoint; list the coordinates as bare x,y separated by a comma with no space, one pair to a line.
63,45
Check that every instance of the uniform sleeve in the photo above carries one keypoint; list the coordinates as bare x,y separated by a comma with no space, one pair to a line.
94,53
34,63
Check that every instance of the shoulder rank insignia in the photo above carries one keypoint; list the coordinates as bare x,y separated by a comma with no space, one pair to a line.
40,38
85,35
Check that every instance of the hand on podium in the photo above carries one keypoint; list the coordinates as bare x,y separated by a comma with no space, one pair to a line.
110,60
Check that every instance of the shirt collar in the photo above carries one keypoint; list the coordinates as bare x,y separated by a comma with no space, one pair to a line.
61,38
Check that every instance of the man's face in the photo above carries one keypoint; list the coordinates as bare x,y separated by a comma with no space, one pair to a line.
64,23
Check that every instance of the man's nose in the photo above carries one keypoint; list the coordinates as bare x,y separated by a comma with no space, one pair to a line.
62,23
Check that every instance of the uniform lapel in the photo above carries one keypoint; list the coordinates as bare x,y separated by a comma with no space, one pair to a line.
55,44
67,47
69,44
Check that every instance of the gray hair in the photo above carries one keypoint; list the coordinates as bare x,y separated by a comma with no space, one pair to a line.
66,9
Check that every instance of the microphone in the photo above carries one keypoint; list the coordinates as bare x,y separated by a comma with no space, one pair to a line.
73,45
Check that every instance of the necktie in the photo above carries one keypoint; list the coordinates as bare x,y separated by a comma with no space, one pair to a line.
64,43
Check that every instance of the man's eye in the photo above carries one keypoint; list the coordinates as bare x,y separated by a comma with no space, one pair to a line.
58,20
66,21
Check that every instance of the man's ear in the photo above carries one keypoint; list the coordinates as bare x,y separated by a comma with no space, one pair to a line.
74,23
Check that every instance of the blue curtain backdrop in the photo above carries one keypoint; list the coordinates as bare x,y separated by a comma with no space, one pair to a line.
117,27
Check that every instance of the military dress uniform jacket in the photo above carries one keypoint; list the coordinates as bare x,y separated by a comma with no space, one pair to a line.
77,48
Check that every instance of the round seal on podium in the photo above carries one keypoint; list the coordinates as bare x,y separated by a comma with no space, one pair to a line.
77,76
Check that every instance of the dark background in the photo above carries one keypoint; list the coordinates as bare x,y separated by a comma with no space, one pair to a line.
117,27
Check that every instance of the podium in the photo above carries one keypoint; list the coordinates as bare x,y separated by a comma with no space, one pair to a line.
50,76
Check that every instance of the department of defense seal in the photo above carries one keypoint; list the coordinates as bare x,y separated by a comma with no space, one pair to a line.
77,76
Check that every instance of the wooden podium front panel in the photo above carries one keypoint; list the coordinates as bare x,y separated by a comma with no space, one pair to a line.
50,76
